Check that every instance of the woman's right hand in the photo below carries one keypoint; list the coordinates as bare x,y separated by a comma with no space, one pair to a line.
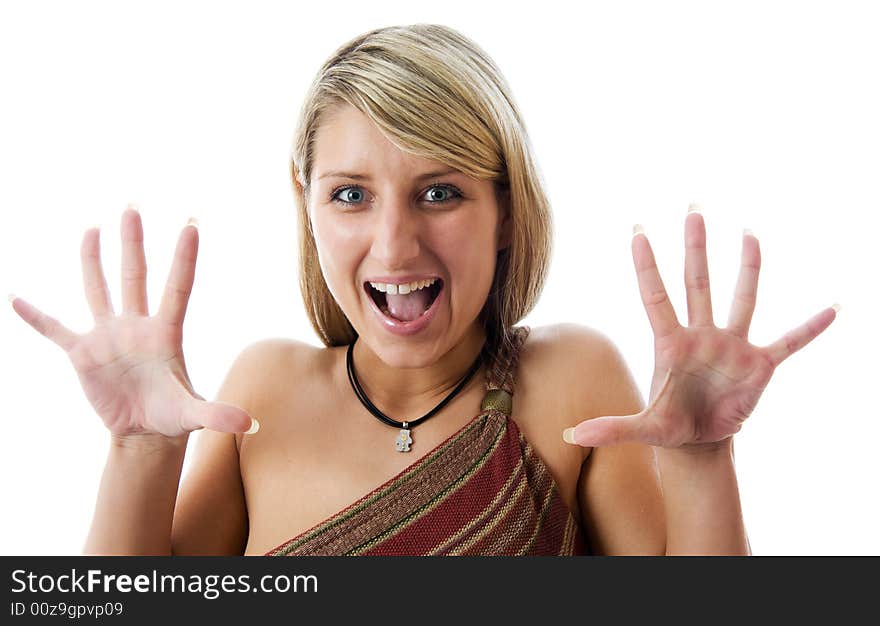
131,365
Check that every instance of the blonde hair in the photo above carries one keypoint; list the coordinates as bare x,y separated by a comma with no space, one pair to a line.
433,93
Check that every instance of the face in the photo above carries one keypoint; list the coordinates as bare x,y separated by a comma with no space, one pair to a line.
395,222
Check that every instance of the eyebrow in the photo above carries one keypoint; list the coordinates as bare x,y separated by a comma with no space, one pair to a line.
355,176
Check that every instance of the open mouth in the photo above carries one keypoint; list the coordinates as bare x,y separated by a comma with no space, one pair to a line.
419,301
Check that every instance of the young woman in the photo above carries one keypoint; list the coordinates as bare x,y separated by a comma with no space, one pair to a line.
430,423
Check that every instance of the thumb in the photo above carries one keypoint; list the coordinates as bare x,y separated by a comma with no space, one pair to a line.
219,416
606,431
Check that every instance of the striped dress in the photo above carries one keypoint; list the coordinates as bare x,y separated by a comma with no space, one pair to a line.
483,491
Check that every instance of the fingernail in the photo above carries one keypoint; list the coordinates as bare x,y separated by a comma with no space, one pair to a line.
748,231
694,208
568,435
192,222
12,297
255,426
638,228
836,307
133,207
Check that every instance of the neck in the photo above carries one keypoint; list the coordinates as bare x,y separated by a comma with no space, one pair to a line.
409,393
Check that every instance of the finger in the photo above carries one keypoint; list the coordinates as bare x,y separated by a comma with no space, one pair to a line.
696,269
134,263
180,278
796,339
654,296
746,292
218,416
47,326
94,283
606,431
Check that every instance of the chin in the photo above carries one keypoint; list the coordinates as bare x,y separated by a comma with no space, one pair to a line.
402,353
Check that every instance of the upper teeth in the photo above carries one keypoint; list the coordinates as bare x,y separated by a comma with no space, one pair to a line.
403,288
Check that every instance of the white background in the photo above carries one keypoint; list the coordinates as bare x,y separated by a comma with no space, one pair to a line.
765,113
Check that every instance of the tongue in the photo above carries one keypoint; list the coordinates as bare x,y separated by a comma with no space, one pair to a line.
408,307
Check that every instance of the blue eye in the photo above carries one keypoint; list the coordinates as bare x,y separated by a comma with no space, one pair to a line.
451,194
452,191
358,193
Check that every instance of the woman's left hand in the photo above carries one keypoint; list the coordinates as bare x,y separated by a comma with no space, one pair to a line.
707,380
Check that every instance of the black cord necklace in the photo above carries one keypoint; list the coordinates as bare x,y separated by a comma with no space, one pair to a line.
403,441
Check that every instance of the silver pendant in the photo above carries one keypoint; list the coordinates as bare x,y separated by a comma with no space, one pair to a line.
403,440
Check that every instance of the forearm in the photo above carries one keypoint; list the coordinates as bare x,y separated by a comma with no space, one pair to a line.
136,498
701,496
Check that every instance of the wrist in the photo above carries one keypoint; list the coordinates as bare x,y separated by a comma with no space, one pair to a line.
695,451
149,443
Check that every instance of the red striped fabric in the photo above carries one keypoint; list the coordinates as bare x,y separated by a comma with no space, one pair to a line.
483,491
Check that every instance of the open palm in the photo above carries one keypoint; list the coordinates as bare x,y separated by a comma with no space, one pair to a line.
131,366
707,380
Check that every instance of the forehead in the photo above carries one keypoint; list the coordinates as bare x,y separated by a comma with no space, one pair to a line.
349,141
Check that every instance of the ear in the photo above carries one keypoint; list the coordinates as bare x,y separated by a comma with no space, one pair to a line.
505,229
298,178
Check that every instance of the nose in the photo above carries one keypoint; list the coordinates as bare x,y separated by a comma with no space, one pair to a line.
395,236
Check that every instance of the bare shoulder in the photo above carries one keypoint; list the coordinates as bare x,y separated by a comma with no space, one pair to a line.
211,515
265,353
618,492
582,365
264,370
568,340
561,381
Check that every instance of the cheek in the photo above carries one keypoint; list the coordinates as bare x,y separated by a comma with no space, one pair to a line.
337,255
335,240
469,253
